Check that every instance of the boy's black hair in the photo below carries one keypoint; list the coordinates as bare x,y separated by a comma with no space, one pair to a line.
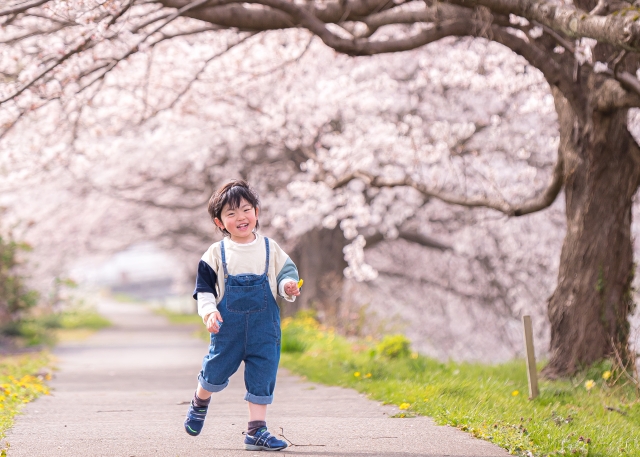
231,194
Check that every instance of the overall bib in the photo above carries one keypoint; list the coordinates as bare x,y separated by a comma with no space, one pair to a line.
249,333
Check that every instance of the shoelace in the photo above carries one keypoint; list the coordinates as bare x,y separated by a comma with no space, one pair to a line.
263,438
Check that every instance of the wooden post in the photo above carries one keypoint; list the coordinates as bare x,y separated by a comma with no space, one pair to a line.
532,374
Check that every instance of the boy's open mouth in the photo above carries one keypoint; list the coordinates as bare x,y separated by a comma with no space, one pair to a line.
243,226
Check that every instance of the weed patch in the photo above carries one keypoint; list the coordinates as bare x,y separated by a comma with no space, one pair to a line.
586,416
22,379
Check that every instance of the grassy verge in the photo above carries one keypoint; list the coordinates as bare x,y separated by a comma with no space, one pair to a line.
585,416
50,328
22,379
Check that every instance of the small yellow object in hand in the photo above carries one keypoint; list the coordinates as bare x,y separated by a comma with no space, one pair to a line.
300,283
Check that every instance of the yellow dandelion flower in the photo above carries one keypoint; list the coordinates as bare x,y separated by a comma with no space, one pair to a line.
606,375
368,375
426,399
404,406
357,374
589,384
414,355
515,393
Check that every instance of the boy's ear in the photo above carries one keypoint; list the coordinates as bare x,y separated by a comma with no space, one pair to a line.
218,223
257,211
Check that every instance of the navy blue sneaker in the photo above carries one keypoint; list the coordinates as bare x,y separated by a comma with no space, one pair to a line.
263,441
195,419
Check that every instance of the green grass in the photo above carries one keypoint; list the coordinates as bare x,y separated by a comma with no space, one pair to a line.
21,380
41,330
490,402
121,297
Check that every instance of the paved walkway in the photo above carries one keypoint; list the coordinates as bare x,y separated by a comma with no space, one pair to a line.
123,393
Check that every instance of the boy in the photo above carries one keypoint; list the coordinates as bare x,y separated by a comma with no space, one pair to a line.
237,280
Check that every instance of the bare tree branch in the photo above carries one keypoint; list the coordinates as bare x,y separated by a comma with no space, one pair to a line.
235,14
612,94
142,25
447,18
600,8
622,31
626,80
411,236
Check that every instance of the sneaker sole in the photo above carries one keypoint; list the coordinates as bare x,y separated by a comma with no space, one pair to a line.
252,447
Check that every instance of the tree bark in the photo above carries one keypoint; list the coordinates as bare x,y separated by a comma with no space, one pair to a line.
320,261
590,307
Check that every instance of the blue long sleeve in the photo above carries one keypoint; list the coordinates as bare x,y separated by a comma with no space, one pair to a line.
206,280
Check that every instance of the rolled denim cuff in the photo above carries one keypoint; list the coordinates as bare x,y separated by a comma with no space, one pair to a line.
211,387
259,400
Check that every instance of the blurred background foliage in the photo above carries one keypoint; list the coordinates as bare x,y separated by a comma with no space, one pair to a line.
26,317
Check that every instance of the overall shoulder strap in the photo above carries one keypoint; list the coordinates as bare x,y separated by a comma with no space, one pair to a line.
224,259
266,244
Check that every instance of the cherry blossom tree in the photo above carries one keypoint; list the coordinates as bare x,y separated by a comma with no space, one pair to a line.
58,54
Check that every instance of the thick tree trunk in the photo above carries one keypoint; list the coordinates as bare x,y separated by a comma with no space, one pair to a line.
321,264
590,307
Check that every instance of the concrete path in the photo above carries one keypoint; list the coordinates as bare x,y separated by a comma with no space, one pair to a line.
123,392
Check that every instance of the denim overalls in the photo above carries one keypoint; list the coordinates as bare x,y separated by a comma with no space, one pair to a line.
250,333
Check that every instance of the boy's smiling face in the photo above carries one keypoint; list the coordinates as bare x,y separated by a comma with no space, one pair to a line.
239,222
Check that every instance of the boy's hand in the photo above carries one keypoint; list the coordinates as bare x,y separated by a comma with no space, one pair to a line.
213,322
291,289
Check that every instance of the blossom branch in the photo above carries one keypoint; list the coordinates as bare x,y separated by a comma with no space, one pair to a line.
21,8
133,49
197,76
535,204
56,62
